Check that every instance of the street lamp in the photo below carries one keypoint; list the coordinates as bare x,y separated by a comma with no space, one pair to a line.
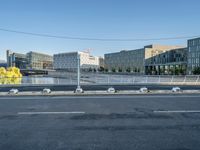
78,89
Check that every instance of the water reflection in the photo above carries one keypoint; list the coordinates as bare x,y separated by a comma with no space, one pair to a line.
36,80
10,80
47,80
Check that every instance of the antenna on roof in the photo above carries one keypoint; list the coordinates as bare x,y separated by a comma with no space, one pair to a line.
88,50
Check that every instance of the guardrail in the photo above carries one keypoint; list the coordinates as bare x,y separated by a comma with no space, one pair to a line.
104,79
122,79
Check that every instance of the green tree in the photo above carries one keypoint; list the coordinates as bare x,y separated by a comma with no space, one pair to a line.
120,69
128,69
90,69
196,70
177,71
101,69
113,70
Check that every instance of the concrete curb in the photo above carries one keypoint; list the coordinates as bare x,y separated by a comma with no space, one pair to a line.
95,93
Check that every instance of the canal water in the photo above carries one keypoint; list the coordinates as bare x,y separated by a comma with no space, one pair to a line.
29,80
46,80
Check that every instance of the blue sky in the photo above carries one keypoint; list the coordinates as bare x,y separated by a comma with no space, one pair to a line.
95,19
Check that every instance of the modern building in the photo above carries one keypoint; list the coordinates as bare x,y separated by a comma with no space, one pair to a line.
134,60
170,62
39,61
16,60
68,61
193,60
31,60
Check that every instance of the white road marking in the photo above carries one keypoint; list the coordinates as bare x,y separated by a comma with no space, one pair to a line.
177,111
51,113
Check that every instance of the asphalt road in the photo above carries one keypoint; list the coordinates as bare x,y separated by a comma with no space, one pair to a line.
6,88
164,122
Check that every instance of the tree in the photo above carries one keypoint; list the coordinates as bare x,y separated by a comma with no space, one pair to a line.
113,70
171,70
90,69
120,70
101,69
177,71
183,71
128,69
196,70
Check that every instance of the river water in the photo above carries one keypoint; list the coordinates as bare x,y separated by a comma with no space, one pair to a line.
29,80
46,80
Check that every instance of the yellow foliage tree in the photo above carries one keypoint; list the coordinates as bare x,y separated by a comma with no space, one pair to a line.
10,76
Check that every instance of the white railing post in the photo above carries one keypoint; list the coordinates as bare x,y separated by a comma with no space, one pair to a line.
146,79
133,79
108,80
121,79
184,80
95,79
197,80
58,81
159,79
71,80
172,79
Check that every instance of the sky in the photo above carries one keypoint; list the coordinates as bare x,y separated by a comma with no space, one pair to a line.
109,19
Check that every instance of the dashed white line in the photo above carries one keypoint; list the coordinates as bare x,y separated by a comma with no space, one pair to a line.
47,113
177,111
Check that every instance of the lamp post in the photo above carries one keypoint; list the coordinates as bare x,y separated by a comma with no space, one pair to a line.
78,89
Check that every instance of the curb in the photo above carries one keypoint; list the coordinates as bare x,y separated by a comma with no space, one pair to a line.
101,93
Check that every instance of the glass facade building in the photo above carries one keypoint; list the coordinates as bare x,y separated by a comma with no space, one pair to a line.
193,55
39,61
168,63
136,61
16,60
31,60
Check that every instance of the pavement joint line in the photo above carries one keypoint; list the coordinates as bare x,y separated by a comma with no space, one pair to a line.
177,111
98,97
51,113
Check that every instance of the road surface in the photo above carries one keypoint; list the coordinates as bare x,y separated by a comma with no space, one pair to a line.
151,122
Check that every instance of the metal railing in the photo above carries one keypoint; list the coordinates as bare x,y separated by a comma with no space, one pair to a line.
128,79
103,79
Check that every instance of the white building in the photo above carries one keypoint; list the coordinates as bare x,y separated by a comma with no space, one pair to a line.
68,61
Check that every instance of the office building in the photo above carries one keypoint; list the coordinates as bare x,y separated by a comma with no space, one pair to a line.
193,55
134,60
39,61
171,62
16,59
68,61
31,60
